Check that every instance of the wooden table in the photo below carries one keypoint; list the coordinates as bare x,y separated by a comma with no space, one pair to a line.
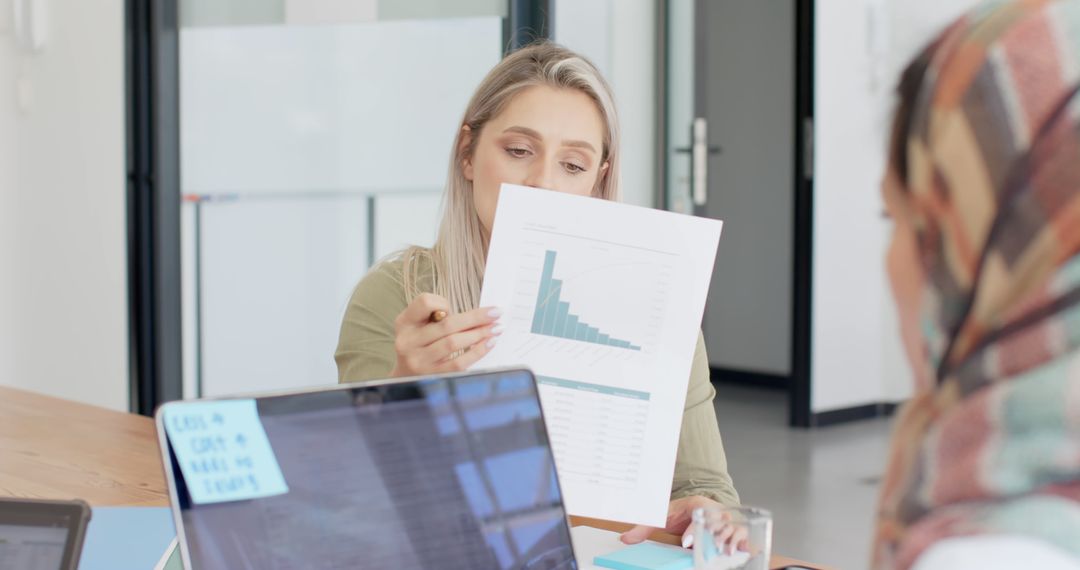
58,449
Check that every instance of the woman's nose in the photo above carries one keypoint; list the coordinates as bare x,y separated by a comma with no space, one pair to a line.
541,175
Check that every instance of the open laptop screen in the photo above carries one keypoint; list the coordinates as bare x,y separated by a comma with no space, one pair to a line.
440,473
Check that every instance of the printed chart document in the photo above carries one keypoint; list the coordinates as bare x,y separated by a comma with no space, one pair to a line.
603,301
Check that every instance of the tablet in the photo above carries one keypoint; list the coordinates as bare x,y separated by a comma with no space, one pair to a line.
42,535
451,472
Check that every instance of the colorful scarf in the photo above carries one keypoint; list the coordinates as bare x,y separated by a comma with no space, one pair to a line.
993,193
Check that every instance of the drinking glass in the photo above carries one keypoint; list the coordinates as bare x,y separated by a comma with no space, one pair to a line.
732,538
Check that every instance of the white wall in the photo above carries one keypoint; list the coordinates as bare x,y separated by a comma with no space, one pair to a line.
861,47
913,23
7,194
849,287
63,294
620,38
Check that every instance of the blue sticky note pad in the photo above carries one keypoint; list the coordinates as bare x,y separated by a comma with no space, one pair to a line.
126,538
223,451
646,556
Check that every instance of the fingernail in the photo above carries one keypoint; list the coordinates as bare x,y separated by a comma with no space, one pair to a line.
491,343
497,330
687,540
495,313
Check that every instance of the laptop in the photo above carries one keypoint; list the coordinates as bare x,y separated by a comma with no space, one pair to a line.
451,472
38,534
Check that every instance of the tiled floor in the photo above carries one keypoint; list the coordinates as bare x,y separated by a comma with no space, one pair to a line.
821,484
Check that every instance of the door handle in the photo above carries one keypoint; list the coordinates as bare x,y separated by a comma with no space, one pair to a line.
699,160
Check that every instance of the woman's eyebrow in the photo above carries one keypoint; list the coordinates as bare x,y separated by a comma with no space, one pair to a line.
580,144
524,131
535,135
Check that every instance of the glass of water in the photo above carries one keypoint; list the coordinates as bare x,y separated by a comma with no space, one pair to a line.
732,538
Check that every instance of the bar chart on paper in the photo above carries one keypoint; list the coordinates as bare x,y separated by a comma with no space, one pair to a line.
599,303
553,318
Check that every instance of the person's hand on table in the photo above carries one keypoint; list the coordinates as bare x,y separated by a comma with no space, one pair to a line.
428,346
728,537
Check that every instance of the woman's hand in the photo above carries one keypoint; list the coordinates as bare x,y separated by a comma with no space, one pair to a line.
728,537
425,347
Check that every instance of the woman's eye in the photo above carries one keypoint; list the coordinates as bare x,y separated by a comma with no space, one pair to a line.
573,168
517,152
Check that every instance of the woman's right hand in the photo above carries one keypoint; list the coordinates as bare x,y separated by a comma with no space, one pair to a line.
425,347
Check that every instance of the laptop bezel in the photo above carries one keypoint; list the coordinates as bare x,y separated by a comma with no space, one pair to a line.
76,513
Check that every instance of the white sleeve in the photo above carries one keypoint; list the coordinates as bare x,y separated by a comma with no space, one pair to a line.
995,552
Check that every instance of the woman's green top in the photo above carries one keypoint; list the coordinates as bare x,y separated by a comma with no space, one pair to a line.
366,352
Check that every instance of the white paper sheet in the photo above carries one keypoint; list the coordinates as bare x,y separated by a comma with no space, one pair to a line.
604,302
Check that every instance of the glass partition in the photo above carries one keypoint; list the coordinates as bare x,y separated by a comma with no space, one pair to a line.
315,138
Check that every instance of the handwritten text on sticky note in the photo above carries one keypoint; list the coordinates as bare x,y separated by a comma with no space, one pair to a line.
223,451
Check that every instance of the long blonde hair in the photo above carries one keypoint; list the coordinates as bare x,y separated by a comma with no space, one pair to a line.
457,259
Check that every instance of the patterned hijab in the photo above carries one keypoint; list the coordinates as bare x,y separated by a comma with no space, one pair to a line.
993,192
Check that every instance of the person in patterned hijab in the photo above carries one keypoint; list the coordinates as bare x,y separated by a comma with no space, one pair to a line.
983,185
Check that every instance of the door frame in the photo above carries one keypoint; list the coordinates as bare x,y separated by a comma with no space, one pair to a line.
800,413
151,58
798,383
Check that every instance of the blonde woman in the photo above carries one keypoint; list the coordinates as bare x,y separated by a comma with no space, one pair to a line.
543,117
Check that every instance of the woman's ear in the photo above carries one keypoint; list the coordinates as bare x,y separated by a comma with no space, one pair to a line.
601,176
464,144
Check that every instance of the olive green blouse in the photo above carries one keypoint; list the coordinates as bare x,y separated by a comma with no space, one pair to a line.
365,351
